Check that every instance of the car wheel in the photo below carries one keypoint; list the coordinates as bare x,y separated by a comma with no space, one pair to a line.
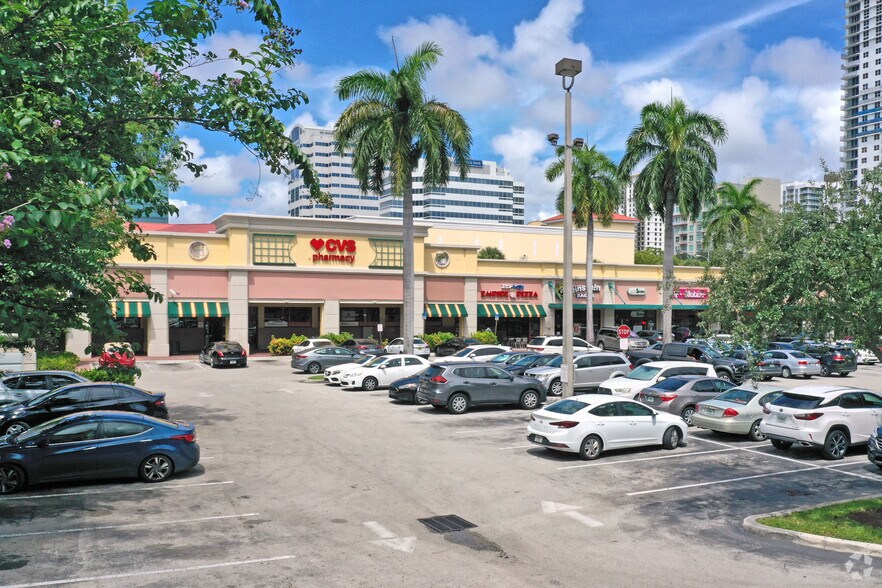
723,375
16,428
779,444
418,400
457,404
785,372
825,370
314,367
601,345
755,434
556,388
529,400
243,364
687,414
369,383
214,363
843,374
835,445
12,478
156,468
591,447
671,439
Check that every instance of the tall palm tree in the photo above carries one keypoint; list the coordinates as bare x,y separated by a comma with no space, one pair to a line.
597,191
390,125
735,215
677,144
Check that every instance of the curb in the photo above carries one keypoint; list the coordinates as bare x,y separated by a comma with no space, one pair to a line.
751,525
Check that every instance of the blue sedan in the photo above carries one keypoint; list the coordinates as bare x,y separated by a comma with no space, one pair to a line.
100,444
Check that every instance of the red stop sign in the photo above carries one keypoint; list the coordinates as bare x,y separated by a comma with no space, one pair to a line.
624,331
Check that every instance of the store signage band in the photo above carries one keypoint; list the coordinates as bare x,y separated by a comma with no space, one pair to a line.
580,290
691,293
636,291
511,291
334,250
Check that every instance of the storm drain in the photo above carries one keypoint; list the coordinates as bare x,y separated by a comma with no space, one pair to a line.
447,524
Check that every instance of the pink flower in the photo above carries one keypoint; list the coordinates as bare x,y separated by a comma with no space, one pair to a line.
56,123
7,243
157,76
243,5
7,176
236,82
8,220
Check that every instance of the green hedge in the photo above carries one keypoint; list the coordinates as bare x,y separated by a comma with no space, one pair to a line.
485,337
337,338
436,339
65,361
280,346
123,375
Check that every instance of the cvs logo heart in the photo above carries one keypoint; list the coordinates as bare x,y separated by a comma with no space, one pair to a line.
317,244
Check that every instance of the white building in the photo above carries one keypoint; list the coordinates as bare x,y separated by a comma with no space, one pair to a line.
650,231
488,194
810,195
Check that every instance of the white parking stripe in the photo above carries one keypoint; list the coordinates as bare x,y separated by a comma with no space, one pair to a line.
225,564
130,526
517,447
488,429
700,484
137,489
603,463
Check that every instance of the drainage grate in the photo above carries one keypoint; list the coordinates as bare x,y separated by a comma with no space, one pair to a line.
446,524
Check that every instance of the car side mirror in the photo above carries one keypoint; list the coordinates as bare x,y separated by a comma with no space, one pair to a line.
661,378
44,442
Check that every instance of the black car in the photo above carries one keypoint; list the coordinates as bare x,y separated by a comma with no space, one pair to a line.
530,361
781,345
451,346
364,346
405,389
680,334
641,356
15,418
651,335
834,360
224,353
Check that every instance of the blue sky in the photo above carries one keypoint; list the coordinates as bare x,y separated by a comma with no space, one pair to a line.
769,68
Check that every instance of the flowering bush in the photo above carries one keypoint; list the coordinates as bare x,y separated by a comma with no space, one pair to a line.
123,375
280,346
485,337
337,338
435,339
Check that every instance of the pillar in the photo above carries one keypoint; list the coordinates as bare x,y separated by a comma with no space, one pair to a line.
419,304
76,341
471,303
157,324
237,298
330,322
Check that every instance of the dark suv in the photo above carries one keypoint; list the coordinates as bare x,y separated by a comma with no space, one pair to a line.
727,368
834,360
458,386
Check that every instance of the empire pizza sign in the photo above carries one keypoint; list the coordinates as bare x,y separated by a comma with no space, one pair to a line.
333,250
510,291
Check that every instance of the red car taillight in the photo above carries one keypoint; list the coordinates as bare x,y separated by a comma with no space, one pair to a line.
761,363
438,379
244,353
666,397
731,412
220,353
160,403
766,410
630,366
838,357
540,349
189,437
564,424
362,346
811,416
300,356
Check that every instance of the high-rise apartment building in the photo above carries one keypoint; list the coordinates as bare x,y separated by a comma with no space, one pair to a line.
488,194
650,231
810,195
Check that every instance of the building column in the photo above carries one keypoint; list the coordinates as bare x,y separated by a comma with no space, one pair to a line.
471,303
237,298
157,324
607,317
330,319
76,341
419,304
549,297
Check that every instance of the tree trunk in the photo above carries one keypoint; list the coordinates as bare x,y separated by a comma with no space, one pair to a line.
589,280
668,268
407,312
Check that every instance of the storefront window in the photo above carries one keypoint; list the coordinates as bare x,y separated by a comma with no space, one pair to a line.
183,323
278,316
272,249
359,315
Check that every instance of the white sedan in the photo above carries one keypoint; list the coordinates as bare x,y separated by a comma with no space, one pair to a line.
589,424
383,370
333,373
476,353
644,376
420,347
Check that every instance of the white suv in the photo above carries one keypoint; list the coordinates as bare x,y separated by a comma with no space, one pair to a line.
644,376
827,417
476,353
310,343
589,369
555,345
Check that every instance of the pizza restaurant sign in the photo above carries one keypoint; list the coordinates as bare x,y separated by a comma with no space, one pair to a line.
510,291
691,293
333,250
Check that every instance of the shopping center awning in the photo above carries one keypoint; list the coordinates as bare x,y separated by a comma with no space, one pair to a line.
511,310
196,309
130,308
442,310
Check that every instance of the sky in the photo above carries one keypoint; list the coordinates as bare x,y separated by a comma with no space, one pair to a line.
770,69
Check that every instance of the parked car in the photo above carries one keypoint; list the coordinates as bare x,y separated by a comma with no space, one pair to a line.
727,368
649,373
874,448
332,374
831,418
224,353
530,361
310,343
451,346
555,345
509,357
834,360
117,354
589,370
865,357
681,333
641,356
794,363
21,386
651,335
98,444
738,411
781,345
739,351
363,346
459,386
608,338
420,347
382,371
405,389
679,395
318,359
477,353
590,424
767,367
15,418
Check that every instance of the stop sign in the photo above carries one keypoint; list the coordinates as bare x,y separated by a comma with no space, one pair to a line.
624,331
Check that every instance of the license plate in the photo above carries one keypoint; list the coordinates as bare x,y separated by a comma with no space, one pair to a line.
649,399
538,439
707,411
781,418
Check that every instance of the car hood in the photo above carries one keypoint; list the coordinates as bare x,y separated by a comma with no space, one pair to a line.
9,410
730,361
541,371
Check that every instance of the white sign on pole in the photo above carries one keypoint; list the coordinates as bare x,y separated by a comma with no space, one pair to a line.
564,374
623,344
380,328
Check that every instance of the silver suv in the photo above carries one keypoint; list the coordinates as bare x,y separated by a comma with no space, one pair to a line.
608,338
591,369
460,385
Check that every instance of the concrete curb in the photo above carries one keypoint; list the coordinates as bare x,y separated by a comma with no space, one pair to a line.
751,525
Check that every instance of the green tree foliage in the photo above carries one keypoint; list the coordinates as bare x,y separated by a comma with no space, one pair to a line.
91,97
392,125
735,215
678,146
490,252
649,256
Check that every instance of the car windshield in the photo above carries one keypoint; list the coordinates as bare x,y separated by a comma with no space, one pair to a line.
798,355
376,361
35,432
566,406
432,371
790,400
643,373
737,396
463,352
365,341
526,360
40,399
418,341
365,359
537,341
233,347
670,384
554,361
711,352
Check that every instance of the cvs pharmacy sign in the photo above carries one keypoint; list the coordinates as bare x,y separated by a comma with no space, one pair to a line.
333,250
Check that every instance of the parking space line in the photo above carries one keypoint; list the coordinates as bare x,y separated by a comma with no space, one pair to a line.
130,525
138,489
225,564
603,463
758,452
488,429
517,447
700,484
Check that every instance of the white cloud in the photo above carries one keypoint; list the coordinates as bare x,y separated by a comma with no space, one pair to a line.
190,213
636,96
220,44
800,61
526,153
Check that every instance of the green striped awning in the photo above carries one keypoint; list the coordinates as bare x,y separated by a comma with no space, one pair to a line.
442,310
511,310
130,308
196,309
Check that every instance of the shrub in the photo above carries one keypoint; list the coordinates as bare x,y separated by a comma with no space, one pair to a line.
297,339
65,361
337,338
123,375
485,337
436,339
280,346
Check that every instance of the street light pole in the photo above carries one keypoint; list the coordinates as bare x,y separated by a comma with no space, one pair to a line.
568,69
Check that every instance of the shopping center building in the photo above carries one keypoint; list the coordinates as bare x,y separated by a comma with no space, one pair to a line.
249,278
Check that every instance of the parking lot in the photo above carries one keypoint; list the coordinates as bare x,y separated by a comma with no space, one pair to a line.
302,484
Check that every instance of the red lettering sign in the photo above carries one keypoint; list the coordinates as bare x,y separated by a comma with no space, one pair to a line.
335,250
692,293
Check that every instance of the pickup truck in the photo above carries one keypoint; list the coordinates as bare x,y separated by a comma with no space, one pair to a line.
641,356
727,368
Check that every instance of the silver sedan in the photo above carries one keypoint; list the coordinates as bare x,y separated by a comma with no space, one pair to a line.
794,363
738,411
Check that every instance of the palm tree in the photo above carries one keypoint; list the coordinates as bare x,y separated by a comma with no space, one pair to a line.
390,125
597,191
735,215
678,145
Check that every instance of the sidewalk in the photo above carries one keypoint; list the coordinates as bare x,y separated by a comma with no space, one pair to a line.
173,359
